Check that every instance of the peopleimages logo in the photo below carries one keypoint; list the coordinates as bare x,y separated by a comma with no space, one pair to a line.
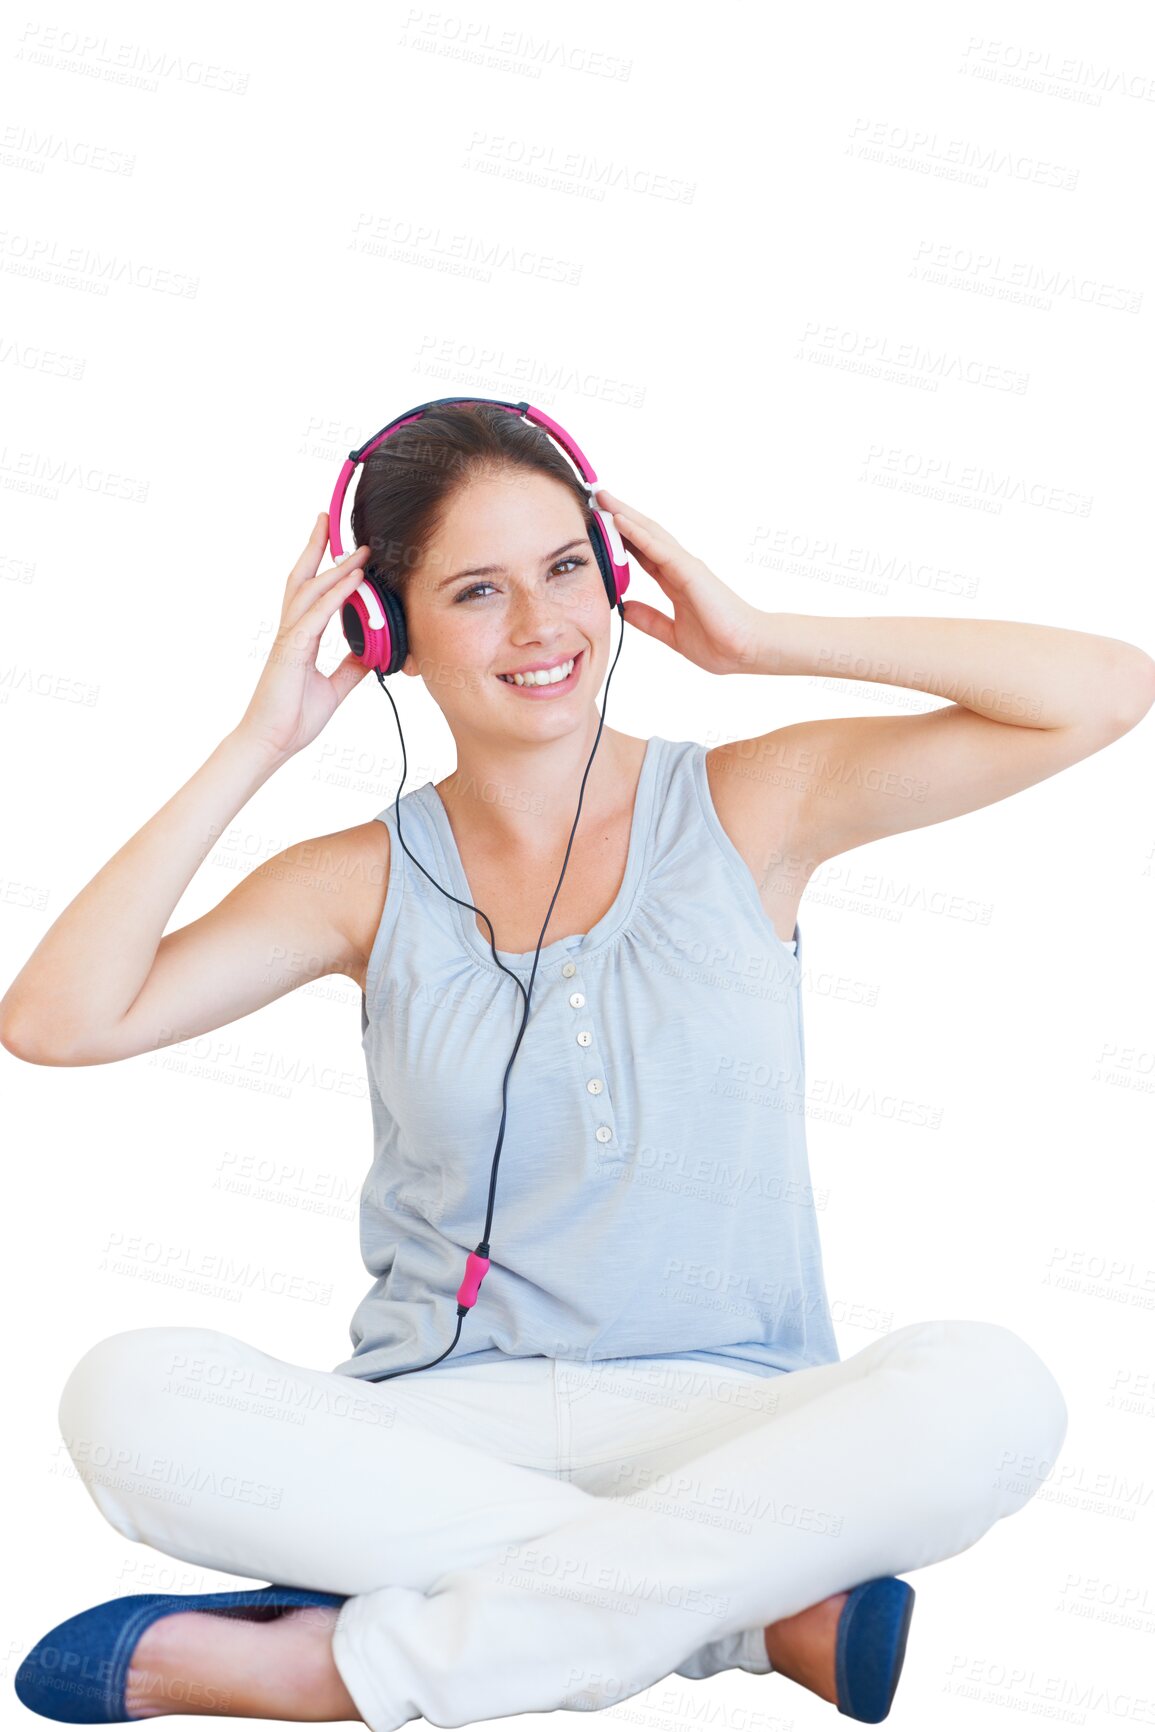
45,257
472,38
120,62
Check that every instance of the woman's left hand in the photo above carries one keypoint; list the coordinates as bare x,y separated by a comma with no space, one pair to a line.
712,626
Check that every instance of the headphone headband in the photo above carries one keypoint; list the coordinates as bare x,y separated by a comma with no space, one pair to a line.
615,552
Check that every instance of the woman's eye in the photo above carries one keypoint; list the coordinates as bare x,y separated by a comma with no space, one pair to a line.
572,559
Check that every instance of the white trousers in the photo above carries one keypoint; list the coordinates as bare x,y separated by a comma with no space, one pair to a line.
533,1534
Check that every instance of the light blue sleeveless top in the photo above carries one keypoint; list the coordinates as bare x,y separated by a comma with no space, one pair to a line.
653,1194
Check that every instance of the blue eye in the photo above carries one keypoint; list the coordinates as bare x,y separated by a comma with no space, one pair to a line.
574,559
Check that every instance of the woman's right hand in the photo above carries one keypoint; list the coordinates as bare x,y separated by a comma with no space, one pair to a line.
293,699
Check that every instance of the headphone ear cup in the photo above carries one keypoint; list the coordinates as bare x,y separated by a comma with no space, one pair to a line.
598,542
611,563
398,635
373,621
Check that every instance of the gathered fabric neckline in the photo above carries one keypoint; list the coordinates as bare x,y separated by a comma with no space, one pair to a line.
560,948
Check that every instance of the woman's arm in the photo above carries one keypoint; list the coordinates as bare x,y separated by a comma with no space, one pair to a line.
1032,676
70,1001
1028,701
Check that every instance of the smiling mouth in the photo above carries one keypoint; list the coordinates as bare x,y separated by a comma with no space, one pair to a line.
547,680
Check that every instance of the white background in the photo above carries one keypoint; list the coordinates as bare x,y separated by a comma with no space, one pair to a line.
858,304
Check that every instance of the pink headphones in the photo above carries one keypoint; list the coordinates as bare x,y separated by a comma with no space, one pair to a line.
373,618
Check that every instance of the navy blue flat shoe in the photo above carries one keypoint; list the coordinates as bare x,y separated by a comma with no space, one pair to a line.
78,1671
870,1646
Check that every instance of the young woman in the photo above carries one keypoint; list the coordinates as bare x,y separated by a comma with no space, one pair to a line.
485,1536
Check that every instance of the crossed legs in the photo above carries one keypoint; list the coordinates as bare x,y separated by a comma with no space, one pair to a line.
479,1588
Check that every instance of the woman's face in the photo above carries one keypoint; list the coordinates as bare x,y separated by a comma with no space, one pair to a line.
509,582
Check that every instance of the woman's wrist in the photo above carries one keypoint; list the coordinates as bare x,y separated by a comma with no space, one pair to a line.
247,747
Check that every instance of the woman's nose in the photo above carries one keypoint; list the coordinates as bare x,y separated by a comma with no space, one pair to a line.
547,616
538,617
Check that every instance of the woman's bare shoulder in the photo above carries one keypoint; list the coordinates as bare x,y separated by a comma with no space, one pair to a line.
759,812
358,870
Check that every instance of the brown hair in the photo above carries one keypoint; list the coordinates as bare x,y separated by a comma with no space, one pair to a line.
407,483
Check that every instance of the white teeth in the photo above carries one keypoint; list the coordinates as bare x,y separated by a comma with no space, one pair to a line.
541,676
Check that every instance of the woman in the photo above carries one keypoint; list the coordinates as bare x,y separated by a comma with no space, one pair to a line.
495,1533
